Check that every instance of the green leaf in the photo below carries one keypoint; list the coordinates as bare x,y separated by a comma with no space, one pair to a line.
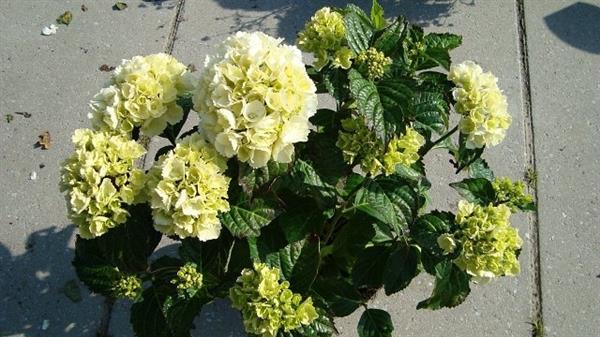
147,318
388,41
326,158
390,200
163,150
305,181
477,190
335,81
93,269
129,245
401,267
370,106
301,218
480,169
465,156
352,238
445,41
253,179
65,18
325,120
434,81
358,29
433,57
369,268
375,323
248,217
396,96
428,227
377,16
180,312
451,287
341,296
431,112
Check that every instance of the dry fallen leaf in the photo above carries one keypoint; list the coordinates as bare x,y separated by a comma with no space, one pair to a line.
65,18
44,140
191,67
23,113
119,6
84,8
9,118
106,67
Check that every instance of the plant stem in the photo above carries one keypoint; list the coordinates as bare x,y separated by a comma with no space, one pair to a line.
439,140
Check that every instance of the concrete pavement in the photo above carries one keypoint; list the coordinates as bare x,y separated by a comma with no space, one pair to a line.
546,68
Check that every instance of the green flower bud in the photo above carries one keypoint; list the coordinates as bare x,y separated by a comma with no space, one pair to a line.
511,193
188,280
268,305
374,61
129,287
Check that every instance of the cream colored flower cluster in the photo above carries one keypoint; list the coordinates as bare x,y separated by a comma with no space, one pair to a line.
142,93
325,36
255,99
488,243
101,179
268,305
481,103
188,189
358,142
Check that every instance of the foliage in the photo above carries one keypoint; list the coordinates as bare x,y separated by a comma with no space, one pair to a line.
300,223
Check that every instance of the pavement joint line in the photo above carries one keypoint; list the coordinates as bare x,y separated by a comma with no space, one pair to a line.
109,302
537,305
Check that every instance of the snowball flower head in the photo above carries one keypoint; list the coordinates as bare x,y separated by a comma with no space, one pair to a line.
102,180
403,150
268,305
325,36
142,93
188,190
489,244
255,99
481,103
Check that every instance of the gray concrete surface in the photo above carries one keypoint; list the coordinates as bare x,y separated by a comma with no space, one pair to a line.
564,59
54,77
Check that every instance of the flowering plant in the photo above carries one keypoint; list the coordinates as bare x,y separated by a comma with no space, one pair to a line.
296,214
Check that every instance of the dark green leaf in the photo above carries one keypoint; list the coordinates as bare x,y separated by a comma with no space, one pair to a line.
341,297
335,81
390,200
477,190
480,169
465,156
396,96
325,120
370,106
431,112
252,179
299,263
301,218
401,267
247,218
434,81
305,181
180,312
369,268
451,287
163,150
326,158
147,318
93,269
375,323
388,42
427,228
433,57
352,239
445,41
65,18
358,29
377,17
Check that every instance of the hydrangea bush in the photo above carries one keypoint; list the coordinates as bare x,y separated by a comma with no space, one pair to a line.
296,214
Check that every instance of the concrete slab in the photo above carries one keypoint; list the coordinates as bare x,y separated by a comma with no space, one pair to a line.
53,78
564,57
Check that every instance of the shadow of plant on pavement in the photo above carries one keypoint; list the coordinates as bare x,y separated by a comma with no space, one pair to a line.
41,295
578,25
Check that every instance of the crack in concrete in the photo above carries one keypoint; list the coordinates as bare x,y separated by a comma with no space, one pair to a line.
108,305
537,307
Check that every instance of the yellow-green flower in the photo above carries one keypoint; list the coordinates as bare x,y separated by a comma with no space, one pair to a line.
447,243
360,145
129,287
101,179
268,305
189,280
188,190
142,93
255,99
403,150
325,36
511,193
481,103
374,62
489,244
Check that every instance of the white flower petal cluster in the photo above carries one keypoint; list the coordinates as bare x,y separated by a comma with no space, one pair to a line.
481,103
101,179
142,93
255,99
188,190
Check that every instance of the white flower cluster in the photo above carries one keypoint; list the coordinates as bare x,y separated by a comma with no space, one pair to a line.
255,99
